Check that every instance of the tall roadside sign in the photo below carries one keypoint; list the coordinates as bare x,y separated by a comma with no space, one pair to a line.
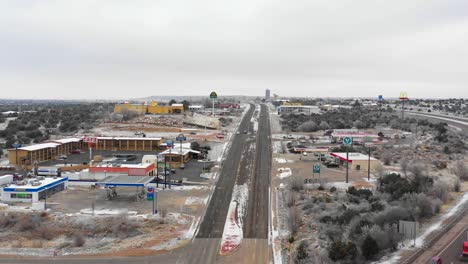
347,142
316,169
403,98
181,138
213,95
90,141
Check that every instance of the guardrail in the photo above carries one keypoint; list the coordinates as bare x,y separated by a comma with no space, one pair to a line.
436,235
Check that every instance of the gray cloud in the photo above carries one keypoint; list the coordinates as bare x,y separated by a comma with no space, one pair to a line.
121,49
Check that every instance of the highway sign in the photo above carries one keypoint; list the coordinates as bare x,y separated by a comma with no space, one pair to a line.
347,141
316,168
380,97
181,137
90,139
16,145
213,95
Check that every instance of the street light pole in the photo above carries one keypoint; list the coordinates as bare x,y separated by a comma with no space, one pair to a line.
347,163
368,167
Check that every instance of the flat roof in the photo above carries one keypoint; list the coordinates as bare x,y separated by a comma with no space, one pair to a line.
299,106
40,146
65,140
351,156
176,151
128,181
45,184
127,138
137,166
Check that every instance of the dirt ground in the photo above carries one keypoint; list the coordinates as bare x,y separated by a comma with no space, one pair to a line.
75,199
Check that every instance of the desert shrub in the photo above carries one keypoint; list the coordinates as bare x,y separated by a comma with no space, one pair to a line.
162,215
377,206
440,190
295,219
460,170
302,252
457,185
362,193
29,222
124,227
339,250
78,240
8,220
290,199
297,184
395,185
419,205
391,215
45,232
386,237
369,247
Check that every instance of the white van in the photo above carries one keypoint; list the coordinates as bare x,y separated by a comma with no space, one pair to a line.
45,171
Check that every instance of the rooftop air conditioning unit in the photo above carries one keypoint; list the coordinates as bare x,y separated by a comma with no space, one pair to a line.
36,183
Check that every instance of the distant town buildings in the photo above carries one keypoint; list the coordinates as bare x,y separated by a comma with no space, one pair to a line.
153,108
267,94
307,109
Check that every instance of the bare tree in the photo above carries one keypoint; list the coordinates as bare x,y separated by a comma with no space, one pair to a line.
460,170
387,158
379,170
404,163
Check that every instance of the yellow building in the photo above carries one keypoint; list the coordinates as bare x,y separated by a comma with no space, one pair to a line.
139,108
154,108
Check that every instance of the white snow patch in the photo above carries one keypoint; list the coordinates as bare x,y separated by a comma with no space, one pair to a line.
277,147
341,185
232,234
284,173
281,160
194,200
187,188
107,211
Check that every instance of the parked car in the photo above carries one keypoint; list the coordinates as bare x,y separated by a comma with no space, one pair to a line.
76,151
245,131
436,260
62,157
193,133
333,165
238,133
17,177
220,136
182,166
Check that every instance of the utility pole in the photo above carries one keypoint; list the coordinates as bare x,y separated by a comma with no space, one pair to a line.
368,167
347,164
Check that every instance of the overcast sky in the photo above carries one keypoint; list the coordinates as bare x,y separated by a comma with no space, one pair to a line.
320,48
